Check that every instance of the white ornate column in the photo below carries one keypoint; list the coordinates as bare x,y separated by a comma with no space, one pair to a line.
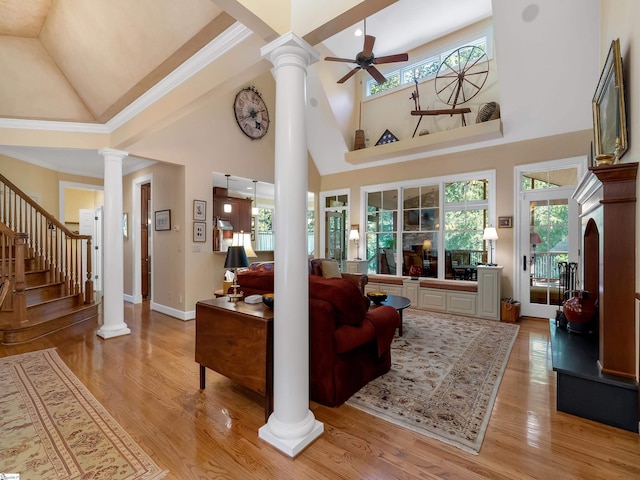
292,426
113,272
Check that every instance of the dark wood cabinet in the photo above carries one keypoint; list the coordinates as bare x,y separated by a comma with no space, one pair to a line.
236,340
240,215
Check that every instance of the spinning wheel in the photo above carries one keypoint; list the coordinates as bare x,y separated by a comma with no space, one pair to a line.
461,75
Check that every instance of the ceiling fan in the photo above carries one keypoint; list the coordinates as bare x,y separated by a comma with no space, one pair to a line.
366,60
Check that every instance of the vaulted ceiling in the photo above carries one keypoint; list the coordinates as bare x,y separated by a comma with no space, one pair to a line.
85,60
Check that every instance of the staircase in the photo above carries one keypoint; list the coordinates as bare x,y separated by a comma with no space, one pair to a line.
45,264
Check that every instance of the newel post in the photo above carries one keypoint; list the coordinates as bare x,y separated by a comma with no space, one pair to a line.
19,297
88,285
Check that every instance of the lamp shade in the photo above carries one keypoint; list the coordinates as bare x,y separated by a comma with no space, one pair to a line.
534,238
426,245
244,239
236,258
490,234
354,234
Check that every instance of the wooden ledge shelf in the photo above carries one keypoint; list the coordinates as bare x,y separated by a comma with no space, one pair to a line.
434,141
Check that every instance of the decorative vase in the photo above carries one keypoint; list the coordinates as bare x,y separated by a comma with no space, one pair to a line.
580,311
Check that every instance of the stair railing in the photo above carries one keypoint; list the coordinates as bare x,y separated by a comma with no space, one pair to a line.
50,243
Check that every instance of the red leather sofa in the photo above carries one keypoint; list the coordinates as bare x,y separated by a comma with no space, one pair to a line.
349,345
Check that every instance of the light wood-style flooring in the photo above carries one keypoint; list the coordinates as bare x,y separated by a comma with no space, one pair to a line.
148,381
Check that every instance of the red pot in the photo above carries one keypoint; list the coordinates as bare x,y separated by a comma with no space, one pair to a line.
580,310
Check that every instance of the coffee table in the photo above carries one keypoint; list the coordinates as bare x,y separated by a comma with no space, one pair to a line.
397,302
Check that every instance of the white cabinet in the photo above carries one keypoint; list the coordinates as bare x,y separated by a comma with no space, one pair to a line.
489,280
411,288
356,266
388,288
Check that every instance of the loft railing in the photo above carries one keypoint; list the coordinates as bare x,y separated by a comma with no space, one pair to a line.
65,255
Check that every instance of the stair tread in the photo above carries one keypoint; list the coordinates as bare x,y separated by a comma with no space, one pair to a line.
43,285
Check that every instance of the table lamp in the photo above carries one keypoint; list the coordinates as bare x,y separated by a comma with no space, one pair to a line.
354,235
491,235
236,258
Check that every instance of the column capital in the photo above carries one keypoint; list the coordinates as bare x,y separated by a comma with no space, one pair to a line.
290,44
112,152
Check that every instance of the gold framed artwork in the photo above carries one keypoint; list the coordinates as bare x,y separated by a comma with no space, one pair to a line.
609,110
505,222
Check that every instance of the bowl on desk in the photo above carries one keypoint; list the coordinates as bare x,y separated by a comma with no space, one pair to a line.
267,299
377,297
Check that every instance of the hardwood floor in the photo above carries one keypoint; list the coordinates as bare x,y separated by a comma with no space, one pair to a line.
149,383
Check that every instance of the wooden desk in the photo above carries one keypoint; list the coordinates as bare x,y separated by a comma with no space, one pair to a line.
236,340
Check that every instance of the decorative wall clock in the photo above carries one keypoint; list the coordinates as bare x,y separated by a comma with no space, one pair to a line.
251,113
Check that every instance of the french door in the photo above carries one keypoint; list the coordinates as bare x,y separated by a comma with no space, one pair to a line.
548,235
335,236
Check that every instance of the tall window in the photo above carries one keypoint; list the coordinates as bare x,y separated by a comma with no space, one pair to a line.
421,223
382,227
439,230
466,216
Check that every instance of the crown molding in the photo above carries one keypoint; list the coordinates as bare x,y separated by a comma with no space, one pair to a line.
228,39
220,45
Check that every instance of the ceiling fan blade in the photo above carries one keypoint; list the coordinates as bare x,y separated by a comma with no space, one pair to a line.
375,73
348,75
400,57
336,59
367,49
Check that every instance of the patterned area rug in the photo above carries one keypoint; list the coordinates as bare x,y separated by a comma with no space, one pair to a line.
51,427
444,377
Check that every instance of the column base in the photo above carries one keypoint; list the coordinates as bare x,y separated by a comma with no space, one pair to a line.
291,446
113,333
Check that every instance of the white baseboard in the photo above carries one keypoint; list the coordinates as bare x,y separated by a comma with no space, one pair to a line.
172,312
128,298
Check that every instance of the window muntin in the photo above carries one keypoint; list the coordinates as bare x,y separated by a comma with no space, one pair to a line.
536,180
463,206
423,69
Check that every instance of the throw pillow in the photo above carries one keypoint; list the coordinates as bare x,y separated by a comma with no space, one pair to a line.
330,269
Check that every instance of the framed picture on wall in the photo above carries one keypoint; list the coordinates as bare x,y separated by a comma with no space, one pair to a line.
609,108
505,222
199,231
163,220
200,210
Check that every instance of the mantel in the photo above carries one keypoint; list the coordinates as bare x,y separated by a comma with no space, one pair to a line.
434,141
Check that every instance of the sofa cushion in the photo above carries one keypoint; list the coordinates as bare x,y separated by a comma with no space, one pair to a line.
349,304
348,337
330,269
256,280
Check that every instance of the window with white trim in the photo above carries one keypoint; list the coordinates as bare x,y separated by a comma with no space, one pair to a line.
429,227
424,69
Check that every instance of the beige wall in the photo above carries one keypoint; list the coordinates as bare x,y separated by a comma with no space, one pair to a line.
41,182
392,110
79,198
502,159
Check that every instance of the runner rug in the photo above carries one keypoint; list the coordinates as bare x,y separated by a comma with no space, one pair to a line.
51,427
444,377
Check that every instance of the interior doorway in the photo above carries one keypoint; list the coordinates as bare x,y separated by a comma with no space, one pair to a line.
142,237
145,258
